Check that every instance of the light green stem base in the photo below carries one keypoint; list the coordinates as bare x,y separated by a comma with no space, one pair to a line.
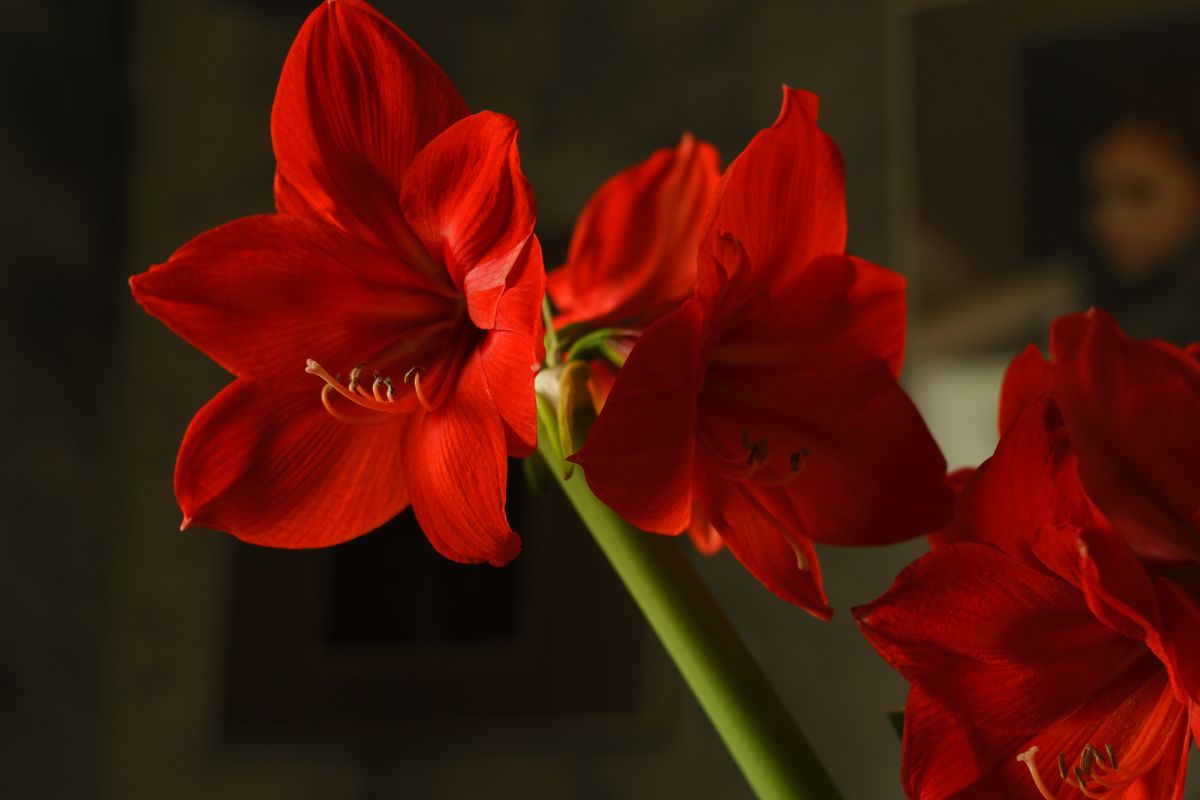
747,713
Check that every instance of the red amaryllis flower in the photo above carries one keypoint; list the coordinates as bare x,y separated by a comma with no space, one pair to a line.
770,398
402,256
1044,661
1132,411
633,258
633,253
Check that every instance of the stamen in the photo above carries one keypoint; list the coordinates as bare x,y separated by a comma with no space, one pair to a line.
333,412
757,456
796,461
1092,776
389,393
356,394
415,374
1028,759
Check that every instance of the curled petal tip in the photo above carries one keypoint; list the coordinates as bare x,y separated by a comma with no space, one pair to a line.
187,523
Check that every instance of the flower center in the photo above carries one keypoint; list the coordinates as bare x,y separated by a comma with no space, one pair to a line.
1095,776
382,397
753,460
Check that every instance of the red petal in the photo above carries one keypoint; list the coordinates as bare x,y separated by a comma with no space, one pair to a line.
357,99
1130,408
781,559
1031,481
704,536
274,468
1116,585
1000,642
1181,637
511,354
784,196
633,252
457,470
833,311
638,455
945,757
1028,377
468,201
261,295
957,482
600,382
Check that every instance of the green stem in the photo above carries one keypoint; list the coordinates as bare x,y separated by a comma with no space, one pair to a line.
747,713
550,333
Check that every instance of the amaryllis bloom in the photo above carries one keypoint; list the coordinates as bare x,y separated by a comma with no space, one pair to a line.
1132,411
633,258
383,325
1044,660
633,252
769,399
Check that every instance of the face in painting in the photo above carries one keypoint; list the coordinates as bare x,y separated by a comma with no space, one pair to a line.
1146,200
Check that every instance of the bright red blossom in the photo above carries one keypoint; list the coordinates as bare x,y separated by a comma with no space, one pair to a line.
1057,618
402,257
633,252
769,399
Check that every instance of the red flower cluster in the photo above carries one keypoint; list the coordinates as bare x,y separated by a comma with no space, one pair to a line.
759,406
768,400
1053,645
403,256
1051,637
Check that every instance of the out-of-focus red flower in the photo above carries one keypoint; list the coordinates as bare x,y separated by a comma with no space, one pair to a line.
770,398
1044,661
1132,411
633,253
401,256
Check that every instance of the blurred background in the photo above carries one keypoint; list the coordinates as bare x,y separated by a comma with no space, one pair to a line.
1014,159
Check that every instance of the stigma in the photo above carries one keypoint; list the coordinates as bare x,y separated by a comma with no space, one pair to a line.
1095,776
381,397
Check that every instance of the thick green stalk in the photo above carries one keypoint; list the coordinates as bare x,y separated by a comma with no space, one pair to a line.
747,713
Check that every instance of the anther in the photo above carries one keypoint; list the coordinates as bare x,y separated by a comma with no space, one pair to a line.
355,374
758,453
1112,757
375,386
